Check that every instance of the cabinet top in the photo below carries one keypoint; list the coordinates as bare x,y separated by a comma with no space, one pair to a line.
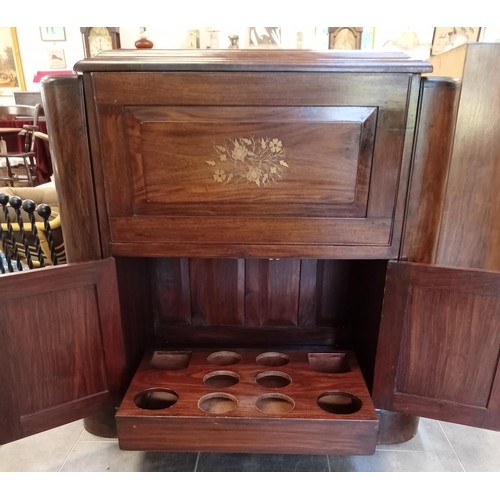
253,60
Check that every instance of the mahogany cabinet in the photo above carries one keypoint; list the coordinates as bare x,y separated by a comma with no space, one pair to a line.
269,251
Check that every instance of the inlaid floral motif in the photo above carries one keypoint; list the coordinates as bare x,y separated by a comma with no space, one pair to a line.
257,161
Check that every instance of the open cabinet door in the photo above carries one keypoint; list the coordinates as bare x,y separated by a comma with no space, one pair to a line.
61,352
439,344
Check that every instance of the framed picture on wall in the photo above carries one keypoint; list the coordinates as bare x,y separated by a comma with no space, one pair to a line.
11,69
264,38
53,34
445,39
343,38
56,58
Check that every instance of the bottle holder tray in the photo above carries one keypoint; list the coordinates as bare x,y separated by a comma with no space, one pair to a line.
248,401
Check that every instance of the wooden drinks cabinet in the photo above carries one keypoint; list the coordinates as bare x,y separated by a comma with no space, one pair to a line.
269,251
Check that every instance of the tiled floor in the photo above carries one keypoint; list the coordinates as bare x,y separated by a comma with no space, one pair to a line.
437,447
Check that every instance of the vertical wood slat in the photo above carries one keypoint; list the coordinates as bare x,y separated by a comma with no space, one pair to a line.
172,290
334,278
307,293
280,282
251,292
260,293
217,291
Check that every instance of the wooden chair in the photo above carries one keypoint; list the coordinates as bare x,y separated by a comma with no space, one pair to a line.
19,167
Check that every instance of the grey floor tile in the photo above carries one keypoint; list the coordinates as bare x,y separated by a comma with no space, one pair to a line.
43,452
477,449
430,437
253,462
87,436
106,456
397,461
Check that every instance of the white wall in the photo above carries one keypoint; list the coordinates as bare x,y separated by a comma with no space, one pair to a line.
34,51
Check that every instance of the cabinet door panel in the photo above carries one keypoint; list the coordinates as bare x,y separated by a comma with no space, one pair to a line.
316,166
61,351
439,343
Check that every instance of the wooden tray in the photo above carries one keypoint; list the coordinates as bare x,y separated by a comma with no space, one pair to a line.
248,401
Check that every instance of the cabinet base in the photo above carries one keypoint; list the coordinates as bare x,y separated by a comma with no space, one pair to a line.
396,428
102,423
249,401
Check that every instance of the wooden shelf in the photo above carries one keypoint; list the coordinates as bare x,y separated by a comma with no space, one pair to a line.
248,401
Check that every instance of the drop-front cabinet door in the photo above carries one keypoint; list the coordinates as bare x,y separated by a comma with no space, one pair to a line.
439,344
61,351
252,163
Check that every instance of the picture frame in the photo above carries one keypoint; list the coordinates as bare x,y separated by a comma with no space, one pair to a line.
264,38
56,58
50,34
445,39
344,38
11,69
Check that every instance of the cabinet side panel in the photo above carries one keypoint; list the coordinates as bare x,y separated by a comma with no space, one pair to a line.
433,146
470,230
67,127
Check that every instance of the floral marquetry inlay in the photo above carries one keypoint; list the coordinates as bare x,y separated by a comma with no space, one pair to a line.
257,161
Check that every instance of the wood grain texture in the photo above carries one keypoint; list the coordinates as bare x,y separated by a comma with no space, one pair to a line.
62,351
433,147
339,166
217,289
67,129
445,320
327,156
305,428
217,234
348,124
251,294
470,230
174,249
253,60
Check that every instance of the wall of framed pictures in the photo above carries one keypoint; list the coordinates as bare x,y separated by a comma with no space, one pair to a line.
34,49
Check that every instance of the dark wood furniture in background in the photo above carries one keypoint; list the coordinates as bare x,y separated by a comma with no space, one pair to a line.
97,39
250,206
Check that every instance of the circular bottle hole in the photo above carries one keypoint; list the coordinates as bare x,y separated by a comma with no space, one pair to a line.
273,380
221,379
224,358
219,402
339,403
156,399
275,404
272,359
